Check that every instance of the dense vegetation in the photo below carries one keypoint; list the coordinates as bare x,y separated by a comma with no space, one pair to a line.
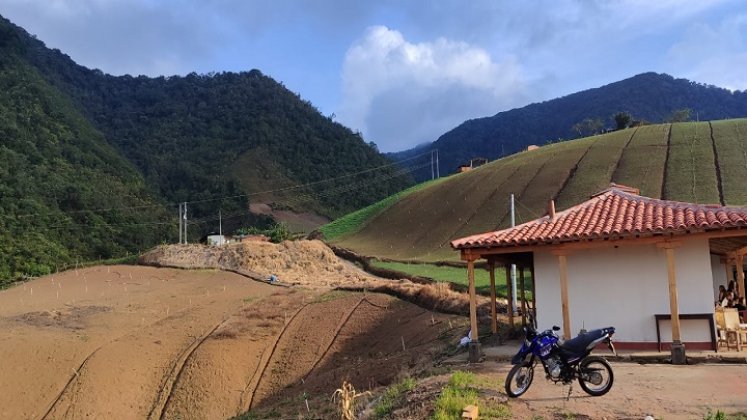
65,194
647,97
701,162
76,140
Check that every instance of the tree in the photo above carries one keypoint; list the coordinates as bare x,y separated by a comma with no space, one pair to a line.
588,127
622,120
681,115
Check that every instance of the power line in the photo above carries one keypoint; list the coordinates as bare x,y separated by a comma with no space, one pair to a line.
175,204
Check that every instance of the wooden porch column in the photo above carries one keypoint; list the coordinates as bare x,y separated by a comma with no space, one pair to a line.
740,275
678,349
563,264
523,297
493,311
474,345
534,291
509,292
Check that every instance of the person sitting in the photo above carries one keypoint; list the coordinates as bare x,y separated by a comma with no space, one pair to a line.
721,295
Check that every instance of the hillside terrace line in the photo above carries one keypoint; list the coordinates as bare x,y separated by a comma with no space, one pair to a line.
623,249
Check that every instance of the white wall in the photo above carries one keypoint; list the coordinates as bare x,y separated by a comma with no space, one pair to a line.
719,275
624,287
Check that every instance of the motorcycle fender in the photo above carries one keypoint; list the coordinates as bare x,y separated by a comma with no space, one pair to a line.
521,355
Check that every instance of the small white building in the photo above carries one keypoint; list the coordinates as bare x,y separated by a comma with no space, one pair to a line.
217,240
651,268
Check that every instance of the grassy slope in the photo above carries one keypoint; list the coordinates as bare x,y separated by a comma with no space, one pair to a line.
679,164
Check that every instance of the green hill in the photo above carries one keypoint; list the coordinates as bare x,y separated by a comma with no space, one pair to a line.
702,162
198,137
92,165
65,194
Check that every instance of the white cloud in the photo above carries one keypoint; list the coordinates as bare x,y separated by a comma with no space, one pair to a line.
426,88
714,54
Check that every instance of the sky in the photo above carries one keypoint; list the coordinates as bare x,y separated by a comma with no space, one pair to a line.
403,72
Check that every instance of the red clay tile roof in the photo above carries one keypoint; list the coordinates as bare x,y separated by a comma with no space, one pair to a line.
615,213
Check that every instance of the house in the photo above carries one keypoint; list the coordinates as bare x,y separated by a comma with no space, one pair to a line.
649,267
473,163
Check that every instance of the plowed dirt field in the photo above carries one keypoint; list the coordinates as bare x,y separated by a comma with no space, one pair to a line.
139,342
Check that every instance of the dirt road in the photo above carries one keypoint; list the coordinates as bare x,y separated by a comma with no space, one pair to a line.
661,391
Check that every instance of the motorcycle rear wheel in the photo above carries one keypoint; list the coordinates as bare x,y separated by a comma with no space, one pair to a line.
519,379
595,376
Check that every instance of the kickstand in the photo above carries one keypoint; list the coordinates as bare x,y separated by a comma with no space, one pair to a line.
570,389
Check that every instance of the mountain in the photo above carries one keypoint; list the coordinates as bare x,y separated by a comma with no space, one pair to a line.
700,162
65,193
224,134
648,97
219,141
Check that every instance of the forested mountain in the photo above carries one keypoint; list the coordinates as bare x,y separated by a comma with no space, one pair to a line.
648,97
218,141
65,194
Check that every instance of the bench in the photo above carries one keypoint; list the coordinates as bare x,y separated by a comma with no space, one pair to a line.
707,317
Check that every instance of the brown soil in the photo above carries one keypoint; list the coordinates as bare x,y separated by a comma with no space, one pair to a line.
140,342
297,222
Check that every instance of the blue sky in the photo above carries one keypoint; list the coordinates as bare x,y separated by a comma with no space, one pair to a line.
403,72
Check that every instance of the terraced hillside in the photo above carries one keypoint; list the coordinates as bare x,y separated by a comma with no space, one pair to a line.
703,162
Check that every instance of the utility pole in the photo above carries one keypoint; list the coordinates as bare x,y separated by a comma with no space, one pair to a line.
220,226
513,266
433,173
438,172
185,222
180,223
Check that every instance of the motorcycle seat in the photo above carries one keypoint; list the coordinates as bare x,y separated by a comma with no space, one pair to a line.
578,346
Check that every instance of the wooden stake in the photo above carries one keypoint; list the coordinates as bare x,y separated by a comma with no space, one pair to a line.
493,311
472,299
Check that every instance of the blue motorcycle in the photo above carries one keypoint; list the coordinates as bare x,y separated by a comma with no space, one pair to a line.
563,361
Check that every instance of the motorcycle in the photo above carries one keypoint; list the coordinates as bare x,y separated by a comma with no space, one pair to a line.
563,361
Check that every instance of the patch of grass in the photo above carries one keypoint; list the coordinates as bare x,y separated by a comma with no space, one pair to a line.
720,415
330,296
457,394
731,146
595,169
465,388
393,397
642,162
691,175
458,276
353,222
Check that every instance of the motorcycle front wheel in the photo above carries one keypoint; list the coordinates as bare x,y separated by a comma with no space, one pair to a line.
595,376
519,379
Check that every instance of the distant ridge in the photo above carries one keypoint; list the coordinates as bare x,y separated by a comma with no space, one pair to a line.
649,97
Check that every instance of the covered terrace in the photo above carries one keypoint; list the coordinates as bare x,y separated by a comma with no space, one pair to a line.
621,259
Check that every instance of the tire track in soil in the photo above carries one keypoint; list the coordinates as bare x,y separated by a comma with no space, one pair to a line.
267,361
69,382
334,337
77,372
163,399
325,315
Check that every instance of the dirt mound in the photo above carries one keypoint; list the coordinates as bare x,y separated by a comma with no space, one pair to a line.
308,263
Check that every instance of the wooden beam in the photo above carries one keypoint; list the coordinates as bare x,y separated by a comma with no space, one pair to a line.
523,297
673,301
472,299
563,264
493,311
740,275
509,292
534,291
